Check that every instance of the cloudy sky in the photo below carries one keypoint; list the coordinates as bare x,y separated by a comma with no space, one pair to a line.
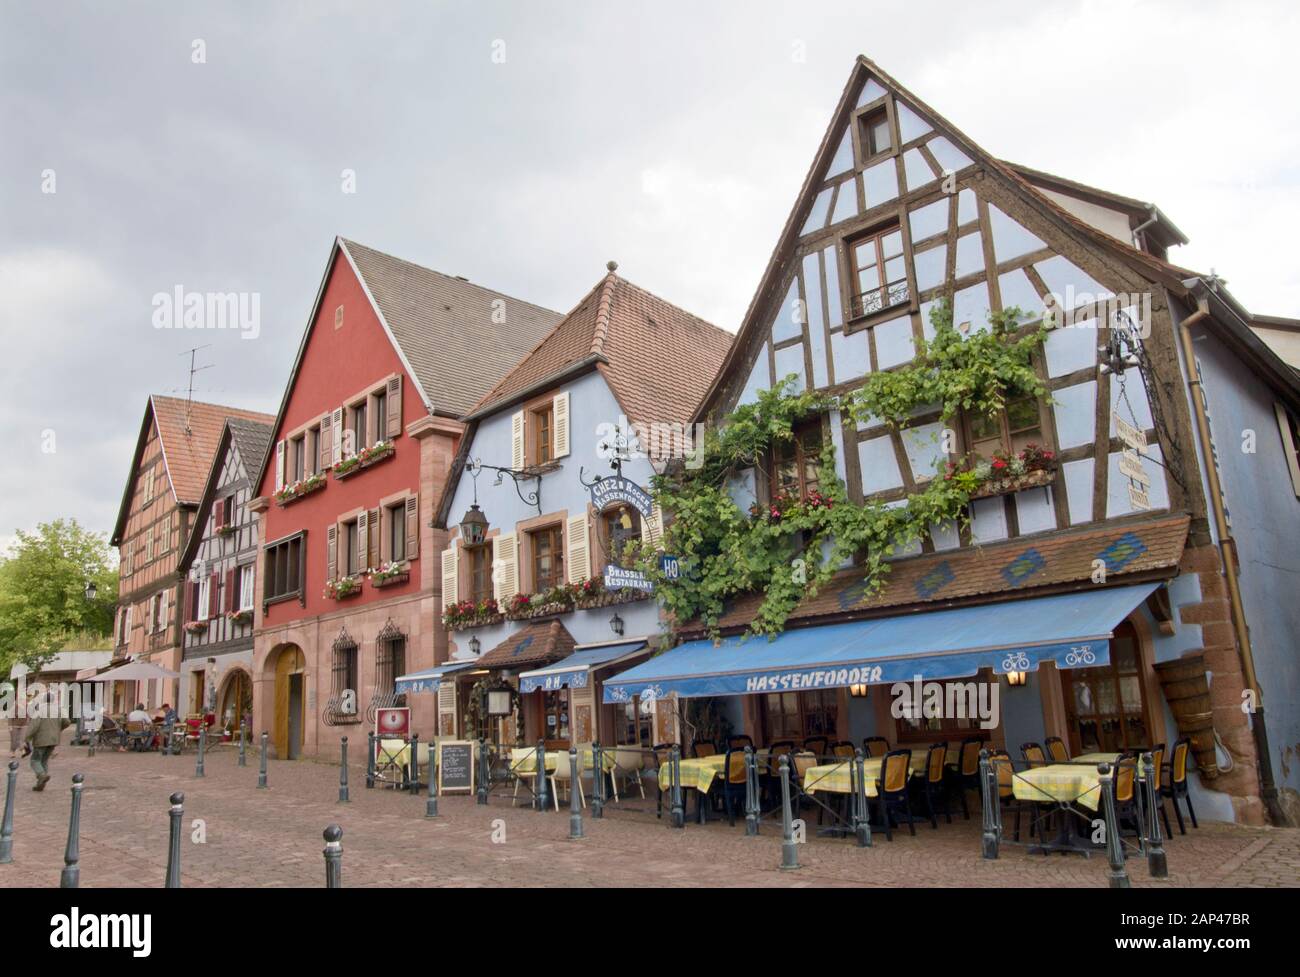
523,145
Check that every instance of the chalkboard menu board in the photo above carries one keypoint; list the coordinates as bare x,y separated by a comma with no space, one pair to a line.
455,766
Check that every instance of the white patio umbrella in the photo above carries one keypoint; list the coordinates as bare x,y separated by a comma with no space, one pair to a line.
135,672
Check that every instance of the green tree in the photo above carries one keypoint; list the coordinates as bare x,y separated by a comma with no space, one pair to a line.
43,601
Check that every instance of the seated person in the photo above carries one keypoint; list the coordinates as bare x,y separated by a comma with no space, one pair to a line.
138,715
165,714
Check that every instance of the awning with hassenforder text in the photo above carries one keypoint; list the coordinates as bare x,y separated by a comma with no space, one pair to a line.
1072,630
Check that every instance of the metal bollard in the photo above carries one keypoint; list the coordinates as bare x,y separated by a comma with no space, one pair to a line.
789,855
678,813
751,793
861,812
1114,843
575,804
71,877
598,781
343,770
261,772
414,767
1157,863
370,760
333,857
484,771
203,742
7,824
243,738
988,804
168,730
543,788
431,804
174,841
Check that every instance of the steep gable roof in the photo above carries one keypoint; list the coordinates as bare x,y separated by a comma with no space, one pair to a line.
864,71
189,431
445,327
658,359
249,439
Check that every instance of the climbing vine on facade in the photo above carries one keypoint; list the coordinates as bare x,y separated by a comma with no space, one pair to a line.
788,547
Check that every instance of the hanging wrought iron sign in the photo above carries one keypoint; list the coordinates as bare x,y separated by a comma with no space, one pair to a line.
616,489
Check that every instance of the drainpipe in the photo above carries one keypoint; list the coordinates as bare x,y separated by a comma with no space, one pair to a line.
1152,218
1228,556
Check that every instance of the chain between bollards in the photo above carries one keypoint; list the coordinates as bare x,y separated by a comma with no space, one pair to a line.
789,854
1157,862
7,824
575,796
343,770
71,876
174,814
1114,843
333,857
261,772
203,743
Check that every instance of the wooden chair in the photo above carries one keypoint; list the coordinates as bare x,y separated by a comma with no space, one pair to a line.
733,782
875,746
1057,750
1033,755
1006,773
139,736
843,750
1126,808
891,789
931,782
702,748
771,775
819,746
663,753
740,741
967,775
1157,789
1175,785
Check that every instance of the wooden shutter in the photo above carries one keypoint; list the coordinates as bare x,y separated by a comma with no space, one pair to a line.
164,610
450,575
214,584
336,436
279,465
579,555
325,443
560,424
128,623
231,585
363,539
331,551
517,440
505,566
376,533
412,526
393,424
219,513
654,527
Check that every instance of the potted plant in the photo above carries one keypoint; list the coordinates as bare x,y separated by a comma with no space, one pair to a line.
196,627
364,458
298,489
243,616
342,587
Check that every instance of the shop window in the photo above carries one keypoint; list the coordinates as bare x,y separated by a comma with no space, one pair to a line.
480,571
794,463
1105,705
798,715
917,727
878,272
547,547
1009,430
555,717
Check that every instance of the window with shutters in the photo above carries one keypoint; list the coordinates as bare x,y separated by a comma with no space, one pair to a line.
201,603
355,436
394,530
351,548
379,411
296,463
541,446
547,548
480,571
282,568
246,584
1289,428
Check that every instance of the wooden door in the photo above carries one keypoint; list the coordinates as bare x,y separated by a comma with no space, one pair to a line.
1105,705
289,663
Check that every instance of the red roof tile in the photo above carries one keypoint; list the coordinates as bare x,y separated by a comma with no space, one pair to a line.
190,433
538,643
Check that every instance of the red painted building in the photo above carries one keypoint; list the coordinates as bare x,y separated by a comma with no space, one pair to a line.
348,593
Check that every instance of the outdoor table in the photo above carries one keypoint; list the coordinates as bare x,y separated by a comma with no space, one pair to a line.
1064,784
835,778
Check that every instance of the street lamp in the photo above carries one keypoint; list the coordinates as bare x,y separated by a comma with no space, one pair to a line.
91,590
473,526
616,624
475,645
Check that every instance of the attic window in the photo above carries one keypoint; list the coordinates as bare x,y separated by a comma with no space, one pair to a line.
874,133
338,317
878,271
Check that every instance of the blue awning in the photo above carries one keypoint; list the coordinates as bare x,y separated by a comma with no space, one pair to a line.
429,679
573,671
1072,630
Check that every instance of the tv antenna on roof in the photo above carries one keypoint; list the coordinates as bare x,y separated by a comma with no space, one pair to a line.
189,394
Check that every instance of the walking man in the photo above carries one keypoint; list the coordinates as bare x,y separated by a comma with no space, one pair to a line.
43,735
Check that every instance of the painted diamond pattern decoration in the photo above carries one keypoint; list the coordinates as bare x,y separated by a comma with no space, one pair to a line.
935,580
1023,567
1122,552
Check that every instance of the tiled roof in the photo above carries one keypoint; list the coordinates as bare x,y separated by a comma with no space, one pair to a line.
446,327
995,571
190,432
534,644
658,358
251,441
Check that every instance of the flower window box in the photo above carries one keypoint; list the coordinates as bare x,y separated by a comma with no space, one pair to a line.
390,575
373,455
244,616
1005,485
342,588
305,486
196,627
469,614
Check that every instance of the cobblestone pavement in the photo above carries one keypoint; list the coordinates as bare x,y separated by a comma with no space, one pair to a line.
267,838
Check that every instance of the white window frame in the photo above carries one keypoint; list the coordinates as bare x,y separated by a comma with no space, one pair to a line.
204,598
246,582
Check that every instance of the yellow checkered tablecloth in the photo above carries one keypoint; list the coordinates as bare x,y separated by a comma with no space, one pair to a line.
524,760
697,772
1069,783
835,778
